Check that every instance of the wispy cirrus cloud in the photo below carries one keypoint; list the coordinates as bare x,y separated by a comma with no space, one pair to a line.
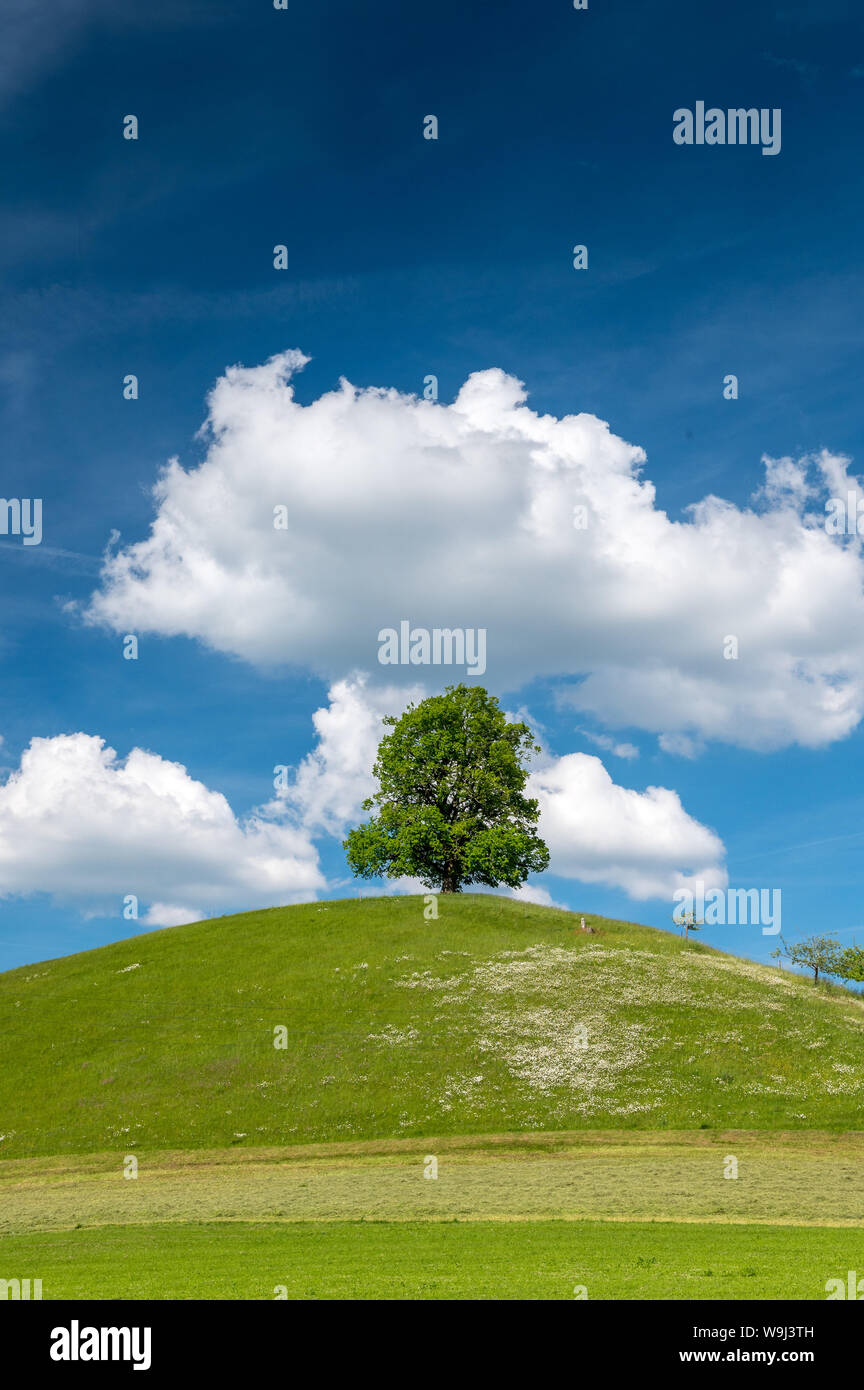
38,38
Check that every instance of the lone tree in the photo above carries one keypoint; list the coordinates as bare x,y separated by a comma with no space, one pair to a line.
689,922
450,804
816,953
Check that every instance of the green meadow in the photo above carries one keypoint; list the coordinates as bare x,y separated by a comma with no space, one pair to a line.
436,1260
378,1105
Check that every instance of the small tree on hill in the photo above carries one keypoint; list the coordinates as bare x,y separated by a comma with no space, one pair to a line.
689,921
816,953
450,804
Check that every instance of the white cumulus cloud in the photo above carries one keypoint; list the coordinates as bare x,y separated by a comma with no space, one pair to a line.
89,828
599,832
462,515
333,779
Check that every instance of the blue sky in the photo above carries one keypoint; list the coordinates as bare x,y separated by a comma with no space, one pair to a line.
408,257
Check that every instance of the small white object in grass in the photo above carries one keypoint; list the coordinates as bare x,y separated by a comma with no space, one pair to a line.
124,969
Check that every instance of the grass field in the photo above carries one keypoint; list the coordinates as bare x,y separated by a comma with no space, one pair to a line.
583,1097
443,1260
796,1179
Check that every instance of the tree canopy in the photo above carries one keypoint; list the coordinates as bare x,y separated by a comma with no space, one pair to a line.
821,954
451,809
851,964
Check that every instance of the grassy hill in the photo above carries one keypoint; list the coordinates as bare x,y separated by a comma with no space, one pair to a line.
395,1026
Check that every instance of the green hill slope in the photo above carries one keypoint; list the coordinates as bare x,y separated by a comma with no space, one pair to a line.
398,1027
